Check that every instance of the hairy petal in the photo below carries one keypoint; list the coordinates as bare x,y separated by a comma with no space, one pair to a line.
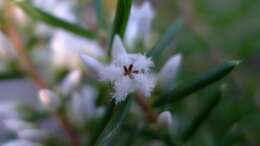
111,73
122,88
141,62
145,83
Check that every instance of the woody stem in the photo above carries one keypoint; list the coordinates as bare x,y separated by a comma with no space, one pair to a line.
151,115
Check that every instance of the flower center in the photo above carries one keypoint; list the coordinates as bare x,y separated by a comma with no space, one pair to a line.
129,71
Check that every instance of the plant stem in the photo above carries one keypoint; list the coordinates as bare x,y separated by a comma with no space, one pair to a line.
31,69
151,115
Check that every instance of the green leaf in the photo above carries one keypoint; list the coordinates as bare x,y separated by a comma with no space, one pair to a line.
51,20
184,90
120,113
102,123
201,117
12,75
165,40
100,13
121,19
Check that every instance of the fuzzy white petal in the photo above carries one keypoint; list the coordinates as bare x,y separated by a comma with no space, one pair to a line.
122,88
145,83
141,62
111,73
92,63
169,71
118,48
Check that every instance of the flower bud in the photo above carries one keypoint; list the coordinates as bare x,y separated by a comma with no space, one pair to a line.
169,71
165,119
49,100
34,135
71,82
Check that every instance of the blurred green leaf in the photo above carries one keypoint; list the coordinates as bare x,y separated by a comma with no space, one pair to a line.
184,90
121,19
201,117
11,75
100,13
103,122
165,40
40,15
120,112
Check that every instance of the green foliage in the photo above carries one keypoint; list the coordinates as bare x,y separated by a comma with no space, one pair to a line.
51,20
181,91
121,19
167,38
120,112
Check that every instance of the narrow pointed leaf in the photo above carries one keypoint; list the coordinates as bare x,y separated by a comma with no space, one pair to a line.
201,117
102,123
112,127
165,40
121,19
51,20
186,89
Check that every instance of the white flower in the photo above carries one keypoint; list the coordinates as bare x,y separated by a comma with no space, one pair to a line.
64,46
139,24
33,135
20,142
169,71
17,125
127,72
82,105
49,100
165,119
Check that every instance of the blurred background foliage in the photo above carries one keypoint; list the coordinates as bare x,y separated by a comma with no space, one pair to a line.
215,31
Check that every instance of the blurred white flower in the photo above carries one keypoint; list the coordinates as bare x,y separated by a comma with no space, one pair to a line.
8,109
71,82
33,135
7,50
65,45
139,24
127,72
49,100
169,71
59,8
19,142
16,125
82,105
165,120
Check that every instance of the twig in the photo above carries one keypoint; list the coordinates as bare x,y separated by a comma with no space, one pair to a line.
150,114
30,68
